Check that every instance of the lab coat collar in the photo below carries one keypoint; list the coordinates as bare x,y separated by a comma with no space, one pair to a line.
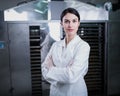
73,42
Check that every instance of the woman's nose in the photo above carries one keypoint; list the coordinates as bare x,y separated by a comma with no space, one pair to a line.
70,24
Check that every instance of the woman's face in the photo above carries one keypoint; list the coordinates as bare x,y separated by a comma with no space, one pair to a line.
70,24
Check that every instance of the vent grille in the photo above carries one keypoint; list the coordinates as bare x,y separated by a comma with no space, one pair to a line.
35,60
94,34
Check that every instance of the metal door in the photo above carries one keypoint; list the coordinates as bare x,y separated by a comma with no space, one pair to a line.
20,58
5,80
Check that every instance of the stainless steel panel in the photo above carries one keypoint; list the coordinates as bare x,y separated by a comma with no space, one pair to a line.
114,58
1,15
20,59
5,80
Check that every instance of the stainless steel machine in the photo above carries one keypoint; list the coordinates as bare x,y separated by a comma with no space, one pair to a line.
28,31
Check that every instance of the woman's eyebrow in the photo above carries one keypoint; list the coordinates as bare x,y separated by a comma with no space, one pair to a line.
66,19
75,19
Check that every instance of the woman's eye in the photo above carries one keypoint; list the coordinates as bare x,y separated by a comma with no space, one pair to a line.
66,21
74,21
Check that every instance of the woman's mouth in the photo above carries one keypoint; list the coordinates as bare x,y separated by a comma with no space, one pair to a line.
70,30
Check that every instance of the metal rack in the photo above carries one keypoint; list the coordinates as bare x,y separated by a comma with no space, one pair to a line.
94,34
35,60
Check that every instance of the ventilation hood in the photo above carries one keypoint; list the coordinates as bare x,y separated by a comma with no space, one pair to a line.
51,10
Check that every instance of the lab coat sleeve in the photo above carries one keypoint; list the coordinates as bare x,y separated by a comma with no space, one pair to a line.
71,73
44,65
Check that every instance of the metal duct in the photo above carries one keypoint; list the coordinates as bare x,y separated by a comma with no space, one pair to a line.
44,10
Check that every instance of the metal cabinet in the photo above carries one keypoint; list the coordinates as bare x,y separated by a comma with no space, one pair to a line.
20,59
15,72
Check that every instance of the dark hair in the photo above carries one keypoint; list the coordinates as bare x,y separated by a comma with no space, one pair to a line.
70,10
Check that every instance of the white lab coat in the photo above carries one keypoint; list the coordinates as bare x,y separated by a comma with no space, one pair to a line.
71,65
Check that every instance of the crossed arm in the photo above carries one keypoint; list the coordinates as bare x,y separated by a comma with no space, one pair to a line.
76,68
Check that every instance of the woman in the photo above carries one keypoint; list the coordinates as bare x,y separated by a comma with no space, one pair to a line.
67,61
